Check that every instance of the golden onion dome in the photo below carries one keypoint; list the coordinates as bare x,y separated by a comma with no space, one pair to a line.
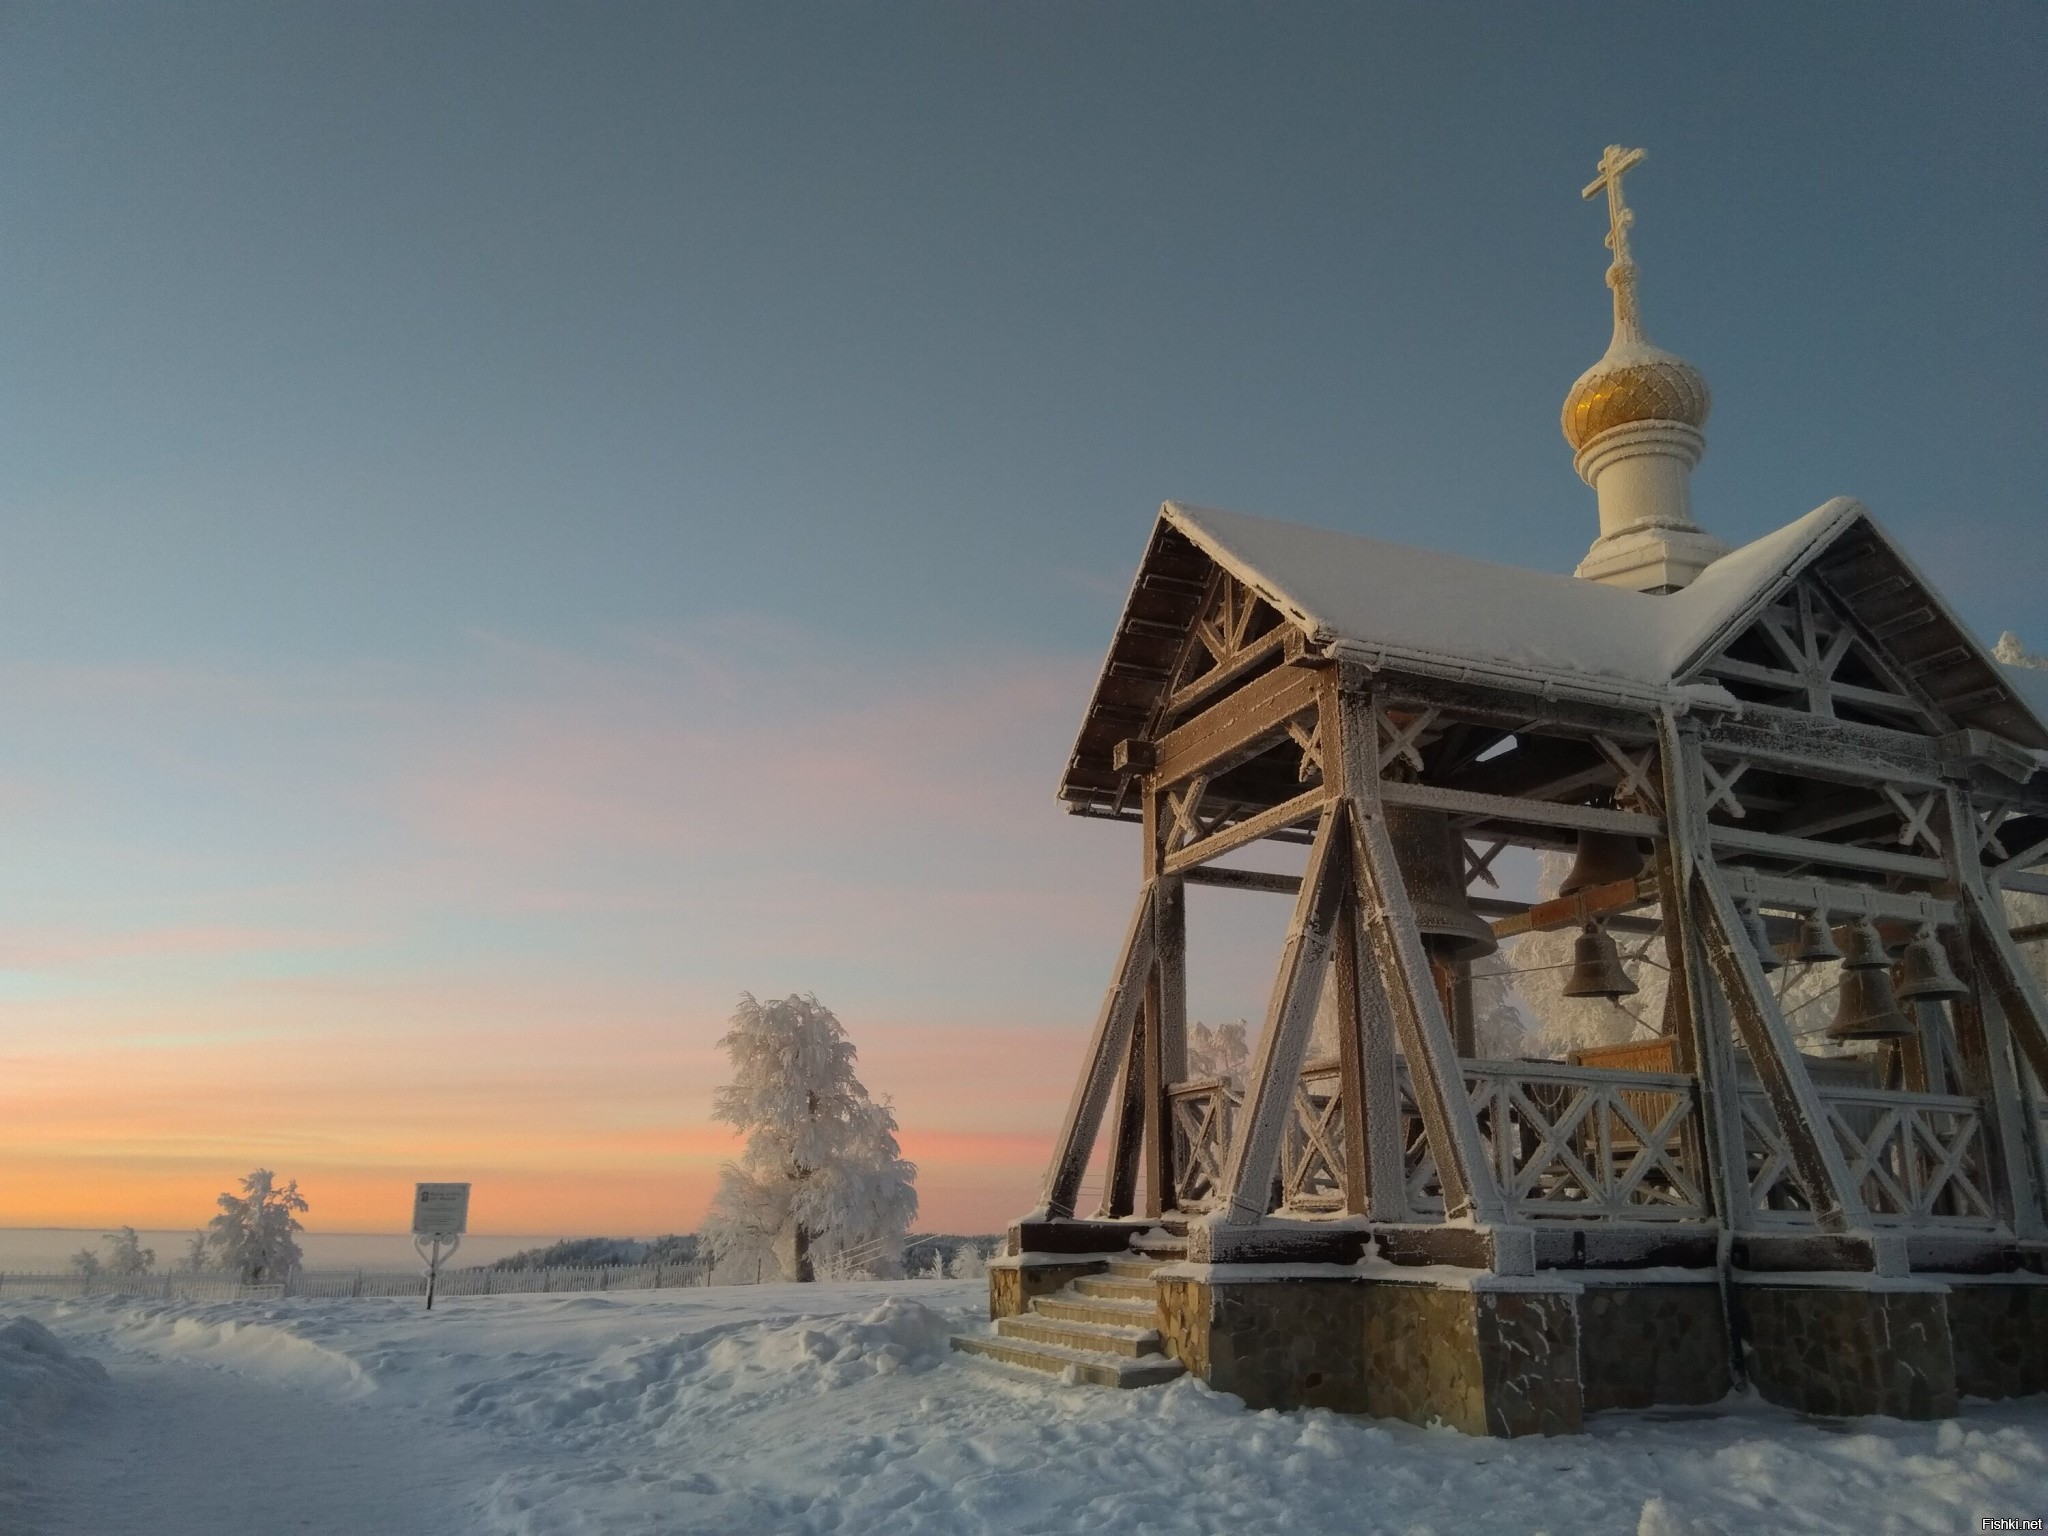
1634,382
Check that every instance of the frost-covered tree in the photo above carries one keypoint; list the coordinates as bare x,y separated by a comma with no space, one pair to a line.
85,1263
252,1237
126,1255
1218,1051
822,1183
196,1257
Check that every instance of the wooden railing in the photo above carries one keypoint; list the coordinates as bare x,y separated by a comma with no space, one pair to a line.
1917,1159
1581,1143
1205,1115
1573,1142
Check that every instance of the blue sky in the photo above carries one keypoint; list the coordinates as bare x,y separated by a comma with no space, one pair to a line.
512,495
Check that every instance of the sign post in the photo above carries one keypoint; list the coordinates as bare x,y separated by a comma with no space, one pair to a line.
440,1215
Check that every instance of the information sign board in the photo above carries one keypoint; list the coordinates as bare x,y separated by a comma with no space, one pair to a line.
440,1210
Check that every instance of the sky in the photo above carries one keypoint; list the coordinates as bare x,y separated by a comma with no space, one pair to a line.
519,523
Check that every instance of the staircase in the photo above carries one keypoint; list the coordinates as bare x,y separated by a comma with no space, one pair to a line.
1101,1328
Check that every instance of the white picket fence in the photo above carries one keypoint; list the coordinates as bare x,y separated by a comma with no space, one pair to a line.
496,1282
159,1287
360,1282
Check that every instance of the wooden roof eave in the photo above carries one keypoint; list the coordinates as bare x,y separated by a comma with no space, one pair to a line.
2015,720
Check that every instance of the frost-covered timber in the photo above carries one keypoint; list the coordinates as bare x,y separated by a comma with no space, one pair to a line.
1788,773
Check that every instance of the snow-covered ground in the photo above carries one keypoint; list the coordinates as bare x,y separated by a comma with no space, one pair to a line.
799,1409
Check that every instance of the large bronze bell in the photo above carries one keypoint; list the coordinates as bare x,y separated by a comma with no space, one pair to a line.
1433,868
1603,858
1760,939
1924,973
1867,1009
1596,966
1815,941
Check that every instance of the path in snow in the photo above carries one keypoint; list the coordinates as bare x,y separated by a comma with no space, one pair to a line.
178,1447
838,1411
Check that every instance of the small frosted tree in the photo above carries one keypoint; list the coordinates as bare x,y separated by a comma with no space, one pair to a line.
126,1255
85,1263
196,1257
253,1236
822,1183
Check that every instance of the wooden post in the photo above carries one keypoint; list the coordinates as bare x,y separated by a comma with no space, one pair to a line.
1375,1138
1170,950
1108,1050
1358,1172
1394,953
1290,1015
1127,1136
1986,1026
1781,1070
1705,1043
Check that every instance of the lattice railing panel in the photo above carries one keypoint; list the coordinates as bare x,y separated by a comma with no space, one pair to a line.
1916,1159
1205,1115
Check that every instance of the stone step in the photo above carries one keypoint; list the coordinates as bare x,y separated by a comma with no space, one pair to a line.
1114,1287
1134,1268
1105,1338
1071,1364
1066,1307
1161,1243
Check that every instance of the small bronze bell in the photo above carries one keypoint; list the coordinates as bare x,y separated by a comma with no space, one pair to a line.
1815,941
1867,1009
1603,858
1760,939
1433,868
1596,966
1924,974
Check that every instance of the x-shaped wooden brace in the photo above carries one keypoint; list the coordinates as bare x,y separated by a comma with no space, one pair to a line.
1318,1132
1638,781
1185,811
1915,815
1721,786
1402,741
1310,740
1479,866
1989,820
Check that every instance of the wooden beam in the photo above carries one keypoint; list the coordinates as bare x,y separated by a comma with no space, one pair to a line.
1810,851
1243,879
1579,908
1802,1117
1985,1037
1302,807
1393,958
1844,751
1782,891
1216,679
1108,1049
1283,1042
1584,818
1236,727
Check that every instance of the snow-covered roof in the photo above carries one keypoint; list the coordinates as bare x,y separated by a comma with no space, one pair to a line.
1363,594
1422,610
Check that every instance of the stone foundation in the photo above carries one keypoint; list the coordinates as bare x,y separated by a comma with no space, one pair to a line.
1012,1282
1482,1354
1291,1343
1999,1334
1647,1344
1844,1350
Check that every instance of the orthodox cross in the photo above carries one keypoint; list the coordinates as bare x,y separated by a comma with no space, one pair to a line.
1615,163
